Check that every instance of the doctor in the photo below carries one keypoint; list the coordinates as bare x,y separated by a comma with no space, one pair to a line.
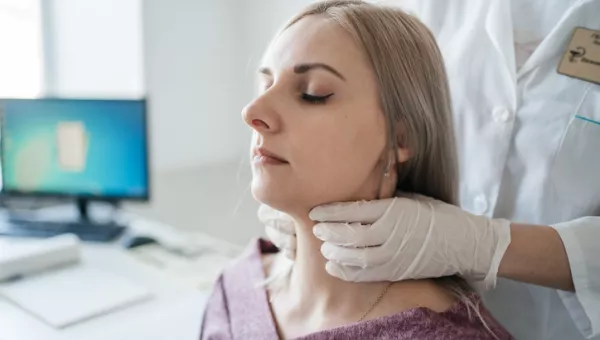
526,96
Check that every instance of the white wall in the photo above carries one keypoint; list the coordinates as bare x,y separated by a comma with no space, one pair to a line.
195,81
21,70
94,48
261,20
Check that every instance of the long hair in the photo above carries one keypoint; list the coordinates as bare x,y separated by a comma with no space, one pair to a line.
414,97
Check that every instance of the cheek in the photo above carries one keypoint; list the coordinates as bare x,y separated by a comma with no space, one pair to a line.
336,161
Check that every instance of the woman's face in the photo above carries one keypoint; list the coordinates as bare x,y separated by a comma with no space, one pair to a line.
319,132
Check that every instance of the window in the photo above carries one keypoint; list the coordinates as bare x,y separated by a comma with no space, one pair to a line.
21,57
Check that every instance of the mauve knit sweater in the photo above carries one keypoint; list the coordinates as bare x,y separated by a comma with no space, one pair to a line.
239,309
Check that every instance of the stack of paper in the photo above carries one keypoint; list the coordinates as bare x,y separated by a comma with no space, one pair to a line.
69,295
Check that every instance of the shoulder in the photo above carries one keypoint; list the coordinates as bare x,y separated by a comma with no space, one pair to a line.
463,319
240,275
256,252
425,308
409,294
216,317
251,265
238,297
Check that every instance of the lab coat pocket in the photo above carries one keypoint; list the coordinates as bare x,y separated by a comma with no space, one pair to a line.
576,176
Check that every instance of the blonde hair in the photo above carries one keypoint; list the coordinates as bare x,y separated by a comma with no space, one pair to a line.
414,97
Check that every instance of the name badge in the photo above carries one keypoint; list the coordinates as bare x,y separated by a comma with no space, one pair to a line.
582,57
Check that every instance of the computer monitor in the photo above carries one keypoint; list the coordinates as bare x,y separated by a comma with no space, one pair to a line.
80,148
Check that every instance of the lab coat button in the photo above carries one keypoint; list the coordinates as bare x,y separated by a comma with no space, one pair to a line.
480,204
501,115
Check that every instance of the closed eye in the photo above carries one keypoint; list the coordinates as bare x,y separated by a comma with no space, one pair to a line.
315,99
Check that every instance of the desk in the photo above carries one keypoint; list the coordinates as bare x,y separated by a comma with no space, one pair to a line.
175,311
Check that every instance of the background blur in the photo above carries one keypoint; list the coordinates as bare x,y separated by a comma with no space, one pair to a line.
195,60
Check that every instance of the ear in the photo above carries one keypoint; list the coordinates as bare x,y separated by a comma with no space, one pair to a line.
403,154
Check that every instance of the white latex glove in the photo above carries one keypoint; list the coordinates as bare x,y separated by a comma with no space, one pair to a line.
280,229
409,238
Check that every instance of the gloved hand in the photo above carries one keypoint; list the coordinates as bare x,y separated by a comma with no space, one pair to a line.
280,229
409,238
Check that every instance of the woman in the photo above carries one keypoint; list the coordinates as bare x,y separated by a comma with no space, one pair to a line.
354,105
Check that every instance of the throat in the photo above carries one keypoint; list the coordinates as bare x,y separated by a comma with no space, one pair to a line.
309,277
315,290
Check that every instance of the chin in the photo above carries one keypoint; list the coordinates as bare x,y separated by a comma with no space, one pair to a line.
270,195
277,196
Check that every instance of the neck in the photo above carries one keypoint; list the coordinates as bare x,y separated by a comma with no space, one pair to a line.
309,275
313,300
313,287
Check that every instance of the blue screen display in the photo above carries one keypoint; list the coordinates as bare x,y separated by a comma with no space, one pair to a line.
75,147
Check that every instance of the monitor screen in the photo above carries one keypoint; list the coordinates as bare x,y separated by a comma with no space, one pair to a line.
75,147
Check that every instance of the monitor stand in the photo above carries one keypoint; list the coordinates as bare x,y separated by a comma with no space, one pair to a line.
83,227
82,208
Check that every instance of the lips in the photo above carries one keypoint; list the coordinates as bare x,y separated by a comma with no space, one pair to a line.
263,152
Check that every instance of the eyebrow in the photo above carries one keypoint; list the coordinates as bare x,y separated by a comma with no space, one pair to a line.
304,68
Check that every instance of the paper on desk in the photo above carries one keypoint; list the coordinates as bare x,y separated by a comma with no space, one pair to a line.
73,294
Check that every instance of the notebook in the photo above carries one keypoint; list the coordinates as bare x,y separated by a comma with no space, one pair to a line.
73,294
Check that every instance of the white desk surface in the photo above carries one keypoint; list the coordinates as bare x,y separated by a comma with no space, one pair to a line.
175,311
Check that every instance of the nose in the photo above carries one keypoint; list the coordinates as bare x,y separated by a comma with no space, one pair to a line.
261,116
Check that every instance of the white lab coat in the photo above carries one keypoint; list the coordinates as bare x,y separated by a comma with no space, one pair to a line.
529,149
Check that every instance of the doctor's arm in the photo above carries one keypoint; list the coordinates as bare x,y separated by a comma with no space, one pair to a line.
537,255
576,267
565,256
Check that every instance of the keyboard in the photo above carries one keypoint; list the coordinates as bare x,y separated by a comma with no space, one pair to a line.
86,231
